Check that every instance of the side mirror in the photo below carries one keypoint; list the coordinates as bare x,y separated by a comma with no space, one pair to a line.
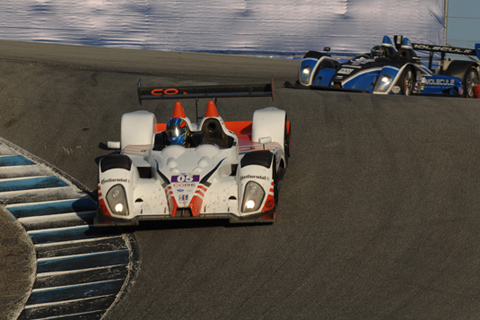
264,140
113,145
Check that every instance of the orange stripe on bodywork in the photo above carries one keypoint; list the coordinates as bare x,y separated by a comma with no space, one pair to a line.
102,208
172,203
195,204
269,204
239,127
269,207
172,206
200,193
161,127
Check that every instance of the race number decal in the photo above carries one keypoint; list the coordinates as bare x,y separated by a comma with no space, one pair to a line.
186,178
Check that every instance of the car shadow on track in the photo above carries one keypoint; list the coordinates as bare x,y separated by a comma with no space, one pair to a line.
185,224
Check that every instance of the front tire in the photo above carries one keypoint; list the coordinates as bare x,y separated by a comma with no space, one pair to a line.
271,216
407,81
286,142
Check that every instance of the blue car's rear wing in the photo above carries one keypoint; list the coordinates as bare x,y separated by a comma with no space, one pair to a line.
198,92
446,49
443,50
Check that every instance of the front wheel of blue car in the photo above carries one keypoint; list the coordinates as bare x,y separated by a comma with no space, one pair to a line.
407,81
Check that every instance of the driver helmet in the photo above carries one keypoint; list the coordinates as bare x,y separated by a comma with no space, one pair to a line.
177,131
378,52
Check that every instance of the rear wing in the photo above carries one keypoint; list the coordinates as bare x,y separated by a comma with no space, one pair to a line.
443,50
451,50
198,92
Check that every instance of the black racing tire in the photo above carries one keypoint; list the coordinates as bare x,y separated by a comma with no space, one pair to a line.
407,81
286,142
276,187
470,80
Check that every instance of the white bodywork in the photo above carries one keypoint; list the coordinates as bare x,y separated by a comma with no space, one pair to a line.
200,182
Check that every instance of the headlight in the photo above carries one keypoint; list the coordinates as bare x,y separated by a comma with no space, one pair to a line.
252,197
306,74
117,200
383,84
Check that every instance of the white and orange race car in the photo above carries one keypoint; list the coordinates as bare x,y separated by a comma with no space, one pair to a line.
228,170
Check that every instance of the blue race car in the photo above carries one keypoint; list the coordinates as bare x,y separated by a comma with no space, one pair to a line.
393,68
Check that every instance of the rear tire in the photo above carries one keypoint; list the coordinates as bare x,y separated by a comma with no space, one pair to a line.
470,80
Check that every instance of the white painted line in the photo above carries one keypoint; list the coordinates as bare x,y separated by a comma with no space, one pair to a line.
61,273
51,304
96,253
58,243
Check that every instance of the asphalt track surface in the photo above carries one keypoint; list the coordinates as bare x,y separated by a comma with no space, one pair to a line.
378,215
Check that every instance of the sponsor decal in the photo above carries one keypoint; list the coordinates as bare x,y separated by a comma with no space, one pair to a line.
180,190
186,178
345,71
443,49
113,180
438,82
269,204
360,61
167,92
249,176
183,197
183,185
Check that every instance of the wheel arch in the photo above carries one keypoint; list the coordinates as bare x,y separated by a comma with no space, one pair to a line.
115,161
457,68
